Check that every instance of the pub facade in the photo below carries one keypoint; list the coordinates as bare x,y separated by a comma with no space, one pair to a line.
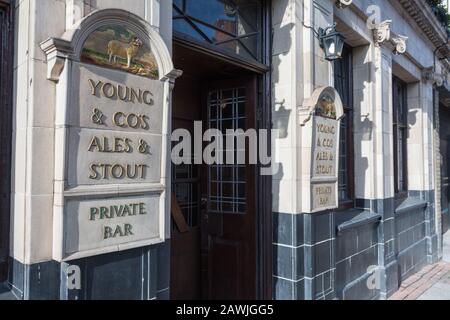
112,111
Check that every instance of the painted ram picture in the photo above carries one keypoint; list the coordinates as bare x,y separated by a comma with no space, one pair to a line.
119,48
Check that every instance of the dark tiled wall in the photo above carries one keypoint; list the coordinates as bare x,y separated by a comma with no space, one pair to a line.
288,253
416,235
107,277
355,254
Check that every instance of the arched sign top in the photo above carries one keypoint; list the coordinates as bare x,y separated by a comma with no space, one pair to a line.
117,47
112,38
324,102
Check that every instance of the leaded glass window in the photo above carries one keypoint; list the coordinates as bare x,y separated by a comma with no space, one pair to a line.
233,25
400,129
226,111
185,185
343,81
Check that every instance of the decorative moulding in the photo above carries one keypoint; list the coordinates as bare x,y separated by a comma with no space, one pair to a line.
437,79
69,46
309,106
57,51
399,43
382,32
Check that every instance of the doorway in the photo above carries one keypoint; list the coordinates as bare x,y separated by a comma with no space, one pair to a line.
6,85
214,250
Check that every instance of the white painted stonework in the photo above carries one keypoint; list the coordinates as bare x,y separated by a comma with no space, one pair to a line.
320,141
112,188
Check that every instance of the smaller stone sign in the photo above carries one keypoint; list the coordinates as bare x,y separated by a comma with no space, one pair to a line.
320,120
100,223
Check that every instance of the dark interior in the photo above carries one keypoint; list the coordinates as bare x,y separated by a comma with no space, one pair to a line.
186,262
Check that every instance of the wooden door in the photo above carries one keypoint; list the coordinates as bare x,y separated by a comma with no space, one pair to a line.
228,225
185,279
6,85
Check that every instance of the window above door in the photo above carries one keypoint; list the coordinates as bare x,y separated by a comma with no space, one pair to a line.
232,26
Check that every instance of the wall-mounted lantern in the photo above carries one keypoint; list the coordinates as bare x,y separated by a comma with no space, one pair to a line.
343,3
332,42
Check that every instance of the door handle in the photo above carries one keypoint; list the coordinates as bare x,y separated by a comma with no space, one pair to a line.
204,203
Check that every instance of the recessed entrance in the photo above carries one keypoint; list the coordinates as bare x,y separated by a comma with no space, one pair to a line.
214,231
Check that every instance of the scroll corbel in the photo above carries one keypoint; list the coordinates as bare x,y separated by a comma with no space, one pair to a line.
399,43
435,78
382,32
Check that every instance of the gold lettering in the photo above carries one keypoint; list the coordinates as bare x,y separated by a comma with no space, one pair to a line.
144,122
128,148
118,171
133,121
122,92
109,90
135,95
135,172
119,168
116,118
94,173
94,86
146,99
95,145
124,97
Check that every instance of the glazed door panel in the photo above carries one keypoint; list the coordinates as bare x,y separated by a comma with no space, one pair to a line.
229,248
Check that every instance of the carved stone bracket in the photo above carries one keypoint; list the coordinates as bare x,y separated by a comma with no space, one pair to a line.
437,79
382,32
57,51
400,44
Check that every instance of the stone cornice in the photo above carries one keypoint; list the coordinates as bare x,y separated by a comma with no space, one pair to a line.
422,14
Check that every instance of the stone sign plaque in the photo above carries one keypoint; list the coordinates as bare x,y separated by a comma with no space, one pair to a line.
116,122
325,147
114,79
325,158
321,129
99,223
